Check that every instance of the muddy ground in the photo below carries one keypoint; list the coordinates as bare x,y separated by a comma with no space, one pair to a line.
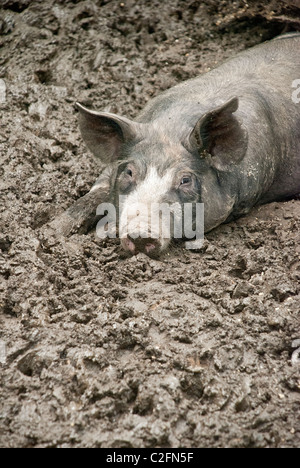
197,349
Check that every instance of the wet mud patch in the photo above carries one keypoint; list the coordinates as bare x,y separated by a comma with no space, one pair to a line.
197,349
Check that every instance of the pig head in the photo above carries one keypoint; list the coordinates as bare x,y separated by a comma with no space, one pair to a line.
193,159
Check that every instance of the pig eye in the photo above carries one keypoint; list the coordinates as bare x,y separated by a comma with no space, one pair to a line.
127,179
185,180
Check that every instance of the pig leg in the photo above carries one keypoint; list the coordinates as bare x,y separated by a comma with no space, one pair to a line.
81,216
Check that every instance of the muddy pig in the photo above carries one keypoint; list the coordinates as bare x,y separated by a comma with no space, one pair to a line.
229,139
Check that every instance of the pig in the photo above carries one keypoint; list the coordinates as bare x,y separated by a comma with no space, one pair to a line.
229,139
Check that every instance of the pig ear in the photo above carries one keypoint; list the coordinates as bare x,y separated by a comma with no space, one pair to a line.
221,135
104,133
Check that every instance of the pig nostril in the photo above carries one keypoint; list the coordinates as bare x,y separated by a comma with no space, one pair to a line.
150,248
128,245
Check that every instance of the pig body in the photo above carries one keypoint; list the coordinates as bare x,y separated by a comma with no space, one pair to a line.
229,139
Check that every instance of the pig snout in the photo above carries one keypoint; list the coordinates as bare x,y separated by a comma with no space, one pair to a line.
138,234
146,245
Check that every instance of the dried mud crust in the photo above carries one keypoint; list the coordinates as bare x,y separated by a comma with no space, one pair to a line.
99,350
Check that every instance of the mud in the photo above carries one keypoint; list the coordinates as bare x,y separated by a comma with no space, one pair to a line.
197,349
